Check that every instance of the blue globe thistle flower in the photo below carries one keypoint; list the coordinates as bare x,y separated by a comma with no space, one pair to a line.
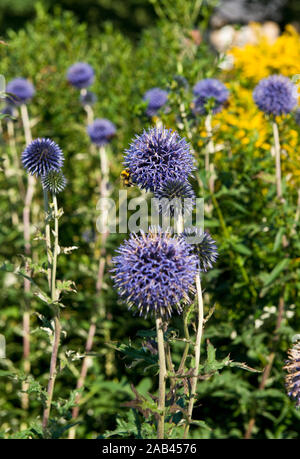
81,75
181,81
154,272
275,95
21,91
156,156
211,91
101,131
203,246
156,99
8,110
88,98
54,182
42,156
292,379
175,198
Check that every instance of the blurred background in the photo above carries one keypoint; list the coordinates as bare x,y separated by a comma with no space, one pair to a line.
135,45
131,16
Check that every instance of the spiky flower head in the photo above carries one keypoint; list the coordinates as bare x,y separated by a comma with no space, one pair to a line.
156,99
81,75
275,95
154,272
210,91
88,98
101,131
42,156
175,198
54,182
156,156
203,246
292,380
21,91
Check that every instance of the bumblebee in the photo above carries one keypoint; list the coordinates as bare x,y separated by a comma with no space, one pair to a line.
125,177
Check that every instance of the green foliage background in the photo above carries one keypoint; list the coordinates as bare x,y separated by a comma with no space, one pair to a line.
252,272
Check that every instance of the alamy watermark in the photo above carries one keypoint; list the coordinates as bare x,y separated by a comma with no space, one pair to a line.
132,215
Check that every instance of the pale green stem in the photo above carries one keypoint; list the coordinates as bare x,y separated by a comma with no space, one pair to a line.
57,326
88,109
277,160
162,378
48,235
197,349
209,151
26,232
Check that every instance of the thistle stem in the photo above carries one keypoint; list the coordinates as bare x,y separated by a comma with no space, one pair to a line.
277,160
197,349
26,233
88,109
48,236
162,378
210,149
57,326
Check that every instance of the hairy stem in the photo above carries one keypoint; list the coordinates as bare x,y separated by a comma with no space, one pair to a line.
88,109
210,149
57,326
277,160
197,350
26,233
48,236
162,378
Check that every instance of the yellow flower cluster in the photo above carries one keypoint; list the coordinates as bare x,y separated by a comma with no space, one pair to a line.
242,120
263,59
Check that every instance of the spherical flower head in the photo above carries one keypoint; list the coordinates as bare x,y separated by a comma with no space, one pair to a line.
42,156
275,95
54,182
210,91
81,75
8,110
203,246
88,98
154,272
101,131
292,379
175,198
156,99
21,91
156,156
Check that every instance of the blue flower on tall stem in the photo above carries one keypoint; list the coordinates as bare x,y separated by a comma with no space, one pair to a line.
156,156
21,91
101,131
154,272
81,75
42,156
275,95
156,99
209,91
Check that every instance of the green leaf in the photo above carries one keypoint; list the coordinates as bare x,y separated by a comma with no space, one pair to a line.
276,271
